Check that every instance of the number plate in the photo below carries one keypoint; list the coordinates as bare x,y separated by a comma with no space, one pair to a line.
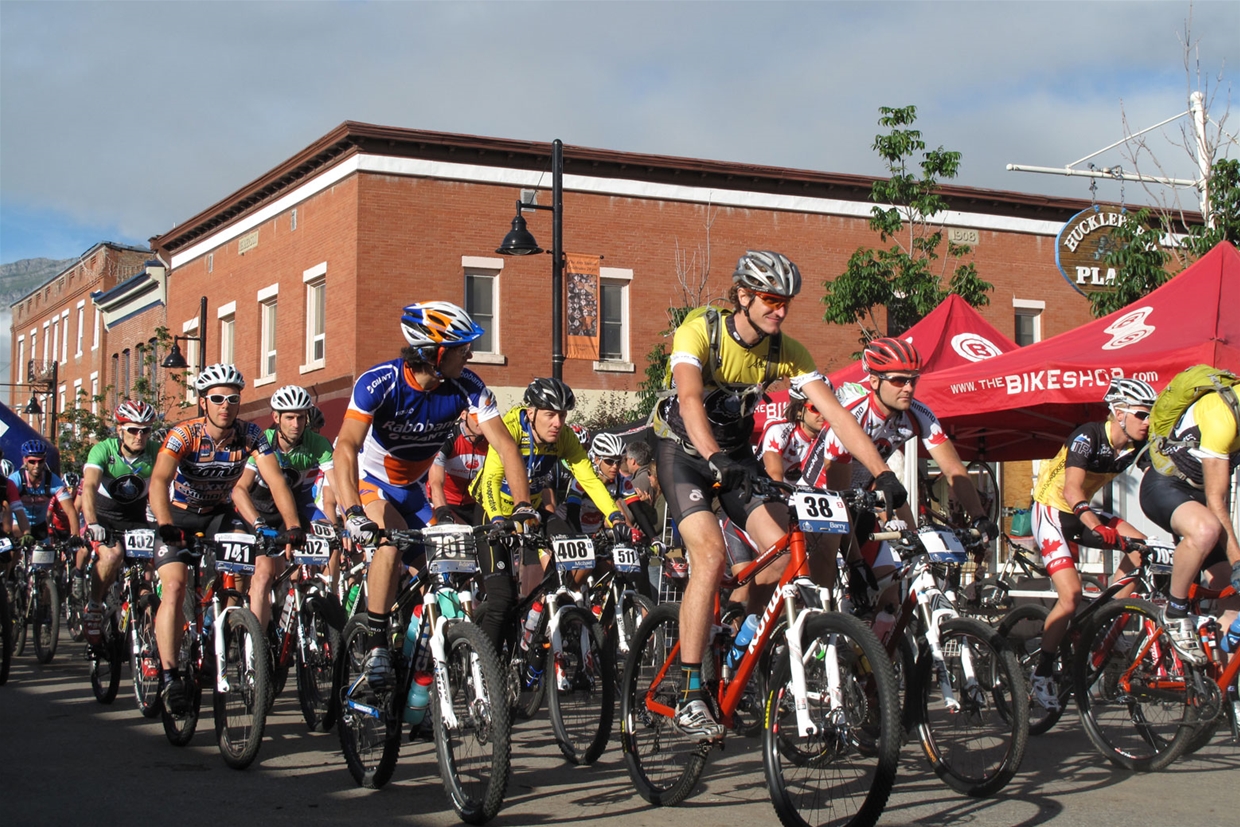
5,545
236,553
821,512
316,552
450,549
140,543
42,558
626,559
1160,556
321,529
942,546
573,553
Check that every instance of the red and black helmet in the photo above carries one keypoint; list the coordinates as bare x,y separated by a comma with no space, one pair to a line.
888,355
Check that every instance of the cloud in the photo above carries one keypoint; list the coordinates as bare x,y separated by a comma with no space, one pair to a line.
135,116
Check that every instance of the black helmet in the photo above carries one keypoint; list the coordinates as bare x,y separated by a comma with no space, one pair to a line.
550,395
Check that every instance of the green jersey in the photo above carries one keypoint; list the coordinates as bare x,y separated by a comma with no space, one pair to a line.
300,466
124,482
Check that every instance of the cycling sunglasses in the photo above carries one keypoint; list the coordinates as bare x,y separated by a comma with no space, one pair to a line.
773,301
609,460
900,381
1142,415
137,430
221,398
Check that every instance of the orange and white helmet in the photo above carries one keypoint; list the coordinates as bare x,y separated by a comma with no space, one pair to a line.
438,324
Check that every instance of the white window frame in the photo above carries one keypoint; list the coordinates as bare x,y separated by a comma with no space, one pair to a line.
314,279
1032,308
46,338
81,316
21,360
77,392
34,348
94,392
64,336
487,267
292,220
55,337
98,325
227,316
192,348
622,277
268,303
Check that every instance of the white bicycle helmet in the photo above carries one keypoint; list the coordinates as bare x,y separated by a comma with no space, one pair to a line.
427,324
1130,392
291,398
134,411
767,272
606,445
220,373
6,468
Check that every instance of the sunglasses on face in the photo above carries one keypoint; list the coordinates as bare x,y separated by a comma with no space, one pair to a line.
773,301
1142,415
136,430
222,398
34,460
900,381
609,461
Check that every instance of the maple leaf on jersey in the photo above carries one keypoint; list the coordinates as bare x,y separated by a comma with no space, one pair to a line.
1050,545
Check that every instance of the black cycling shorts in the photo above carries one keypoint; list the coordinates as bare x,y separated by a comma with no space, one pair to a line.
1161,495
208,524
688,483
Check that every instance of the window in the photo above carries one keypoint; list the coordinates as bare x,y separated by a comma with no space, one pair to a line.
34,337
81,309
116,369
21,359
228,333
292,220
46,338
613,343
124,377
94,392
55,337
210,262
267,303
98,324
64,341
152,349
316,316
77,393
482,302
1028,327
139,363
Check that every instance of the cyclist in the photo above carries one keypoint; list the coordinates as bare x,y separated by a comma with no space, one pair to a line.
538,429
606,454
786,442
704,431
457,463
37,486
1186,492
398,418
887,411
58,528
115,483
190,493
302,455
1094,454
12,511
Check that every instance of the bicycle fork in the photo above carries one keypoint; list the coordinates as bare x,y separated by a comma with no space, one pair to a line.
936,608
557,651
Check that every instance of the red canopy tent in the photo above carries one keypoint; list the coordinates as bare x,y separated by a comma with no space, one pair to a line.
1022,405
952,334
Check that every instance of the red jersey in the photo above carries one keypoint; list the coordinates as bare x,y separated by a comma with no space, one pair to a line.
461,457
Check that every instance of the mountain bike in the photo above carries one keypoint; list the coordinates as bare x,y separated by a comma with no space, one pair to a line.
964,691
238,655
616,595
307,634
139,606
562,653
1221,706
438,652
990,597
830,741
124,595
39,606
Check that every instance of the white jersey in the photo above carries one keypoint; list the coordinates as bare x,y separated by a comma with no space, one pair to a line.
790,442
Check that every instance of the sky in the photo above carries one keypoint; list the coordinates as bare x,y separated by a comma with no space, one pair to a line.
119,120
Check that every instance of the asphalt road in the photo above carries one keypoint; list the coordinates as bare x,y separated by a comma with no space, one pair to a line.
65,759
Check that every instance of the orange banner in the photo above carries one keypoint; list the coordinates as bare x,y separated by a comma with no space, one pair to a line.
583,310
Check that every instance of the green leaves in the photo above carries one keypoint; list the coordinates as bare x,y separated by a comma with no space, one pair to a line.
905,278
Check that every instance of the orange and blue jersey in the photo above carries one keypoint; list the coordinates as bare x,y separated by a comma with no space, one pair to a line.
409,424
208,470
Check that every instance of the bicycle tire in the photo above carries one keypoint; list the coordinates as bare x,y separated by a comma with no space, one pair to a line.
581,690
634,609
315,668
1136,730
180,729
6,636
983,477
474,756
145,671
73,616
105,663
986,599
664,765
241,711
842,774
20,602
369,737
1022,628
46,620
976,748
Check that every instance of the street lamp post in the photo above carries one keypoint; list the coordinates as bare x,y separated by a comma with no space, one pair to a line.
175,360
33,407
520,242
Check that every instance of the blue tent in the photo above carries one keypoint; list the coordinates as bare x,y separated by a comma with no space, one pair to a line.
14,431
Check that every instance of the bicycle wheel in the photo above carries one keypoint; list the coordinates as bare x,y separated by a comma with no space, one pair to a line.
73,617
6,636
144,664
369,726
471,722
975,740
841,773
1139,703
983,477
665,766
581,692
315,660
105,662
241,708
19,600
45,617
987,599
1022,629
180,729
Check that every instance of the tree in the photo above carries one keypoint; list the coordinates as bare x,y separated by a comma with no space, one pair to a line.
907,277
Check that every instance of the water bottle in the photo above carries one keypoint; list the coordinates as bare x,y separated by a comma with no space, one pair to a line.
413,631
1230,640
351,600
883,622
741,642
531,624
419,698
